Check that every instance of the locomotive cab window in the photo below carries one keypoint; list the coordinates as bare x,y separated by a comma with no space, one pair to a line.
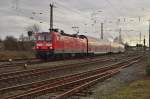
44,37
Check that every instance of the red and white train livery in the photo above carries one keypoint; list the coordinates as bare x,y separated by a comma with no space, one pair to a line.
59,44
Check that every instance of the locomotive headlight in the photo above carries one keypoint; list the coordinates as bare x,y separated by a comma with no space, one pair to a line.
50,47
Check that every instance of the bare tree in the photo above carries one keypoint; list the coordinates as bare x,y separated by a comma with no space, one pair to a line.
34,28
22,38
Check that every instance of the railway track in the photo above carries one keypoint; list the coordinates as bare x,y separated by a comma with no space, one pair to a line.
23,62
20,63
22,76
30,61
16,60
7,64
71,84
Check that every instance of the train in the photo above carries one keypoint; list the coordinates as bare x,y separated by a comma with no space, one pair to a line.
57,44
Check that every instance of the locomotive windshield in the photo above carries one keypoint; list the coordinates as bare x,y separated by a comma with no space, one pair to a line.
43,37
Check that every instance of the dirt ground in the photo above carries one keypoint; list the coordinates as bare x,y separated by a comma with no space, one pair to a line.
5,55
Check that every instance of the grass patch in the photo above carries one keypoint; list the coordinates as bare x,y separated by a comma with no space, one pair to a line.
136,90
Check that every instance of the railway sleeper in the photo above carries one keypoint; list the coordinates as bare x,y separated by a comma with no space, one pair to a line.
81,94
88,84
40,71
62,87
87,91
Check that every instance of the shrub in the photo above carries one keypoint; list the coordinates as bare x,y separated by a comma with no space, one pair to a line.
10,43
0,40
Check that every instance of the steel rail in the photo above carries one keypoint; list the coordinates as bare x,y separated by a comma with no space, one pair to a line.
37,83
39,69
39,91
89,84
85,85
20,77
53,88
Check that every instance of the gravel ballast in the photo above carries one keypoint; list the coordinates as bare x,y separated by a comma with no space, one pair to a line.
127,75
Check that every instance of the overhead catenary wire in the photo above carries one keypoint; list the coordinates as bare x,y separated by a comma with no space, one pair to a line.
115,11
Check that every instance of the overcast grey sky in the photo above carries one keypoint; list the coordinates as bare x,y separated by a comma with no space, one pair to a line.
130,15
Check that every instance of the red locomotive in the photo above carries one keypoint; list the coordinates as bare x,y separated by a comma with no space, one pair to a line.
59,44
